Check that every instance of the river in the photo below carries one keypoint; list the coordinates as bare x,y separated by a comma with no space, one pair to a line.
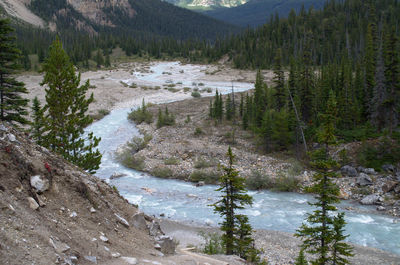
183,201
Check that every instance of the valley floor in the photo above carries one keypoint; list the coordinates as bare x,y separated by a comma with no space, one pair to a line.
126,86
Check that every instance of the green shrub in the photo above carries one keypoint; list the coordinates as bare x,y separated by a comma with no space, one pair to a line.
283,182
188,119
133,85
171,161
198,131
173,90
207,177
202,163
138,143
213,243
358,134
165,119
127,159
141,114
386,151
186,89
123,83
196,94
100,114
162,172
200,84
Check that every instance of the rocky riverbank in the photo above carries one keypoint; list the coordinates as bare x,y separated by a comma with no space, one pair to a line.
193,148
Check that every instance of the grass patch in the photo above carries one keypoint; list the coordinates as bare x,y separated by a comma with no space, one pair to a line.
196,94
173,90
127,159
207,177
101,113
282,183
198,131
202,163
171,161
123,83
162,172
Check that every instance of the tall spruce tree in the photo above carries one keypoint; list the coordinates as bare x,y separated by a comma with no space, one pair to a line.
65,108
279,81
235,226
392,74
38,123
12,104
319,234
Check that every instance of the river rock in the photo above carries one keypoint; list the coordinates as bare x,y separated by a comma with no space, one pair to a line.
370,199
32,203
39,183
11,137
92,259
380,208
167,245
369,171
129,260
388,168
200,184
348,171
389,186
155,229
122,220
364,180
116,175
58,246
138,221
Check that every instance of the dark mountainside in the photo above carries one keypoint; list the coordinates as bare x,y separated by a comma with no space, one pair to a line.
153,17
257,12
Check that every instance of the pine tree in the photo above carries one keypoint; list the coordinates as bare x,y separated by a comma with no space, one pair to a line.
259,99
319,234
234,198
301,259
12,105
340,250
37,125
65,108
392,74
99,58
160,119
370,66
378,110
279,81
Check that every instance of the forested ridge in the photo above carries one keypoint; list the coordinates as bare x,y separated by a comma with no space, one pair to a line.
348,53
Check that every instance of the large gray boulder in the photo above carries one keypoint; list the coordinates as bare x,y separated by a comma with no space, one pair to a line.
348,171
167,245
155,229
138,221
369,171
364,180
389,168
389,186
370,199
39,183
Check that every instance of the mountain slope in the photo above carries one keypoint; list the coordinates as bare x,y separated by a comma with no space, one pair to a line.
257,12
124,17
206,4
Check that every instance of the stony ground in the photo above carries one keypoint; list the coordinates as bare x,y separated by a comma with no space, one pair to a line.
204,151
54,213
